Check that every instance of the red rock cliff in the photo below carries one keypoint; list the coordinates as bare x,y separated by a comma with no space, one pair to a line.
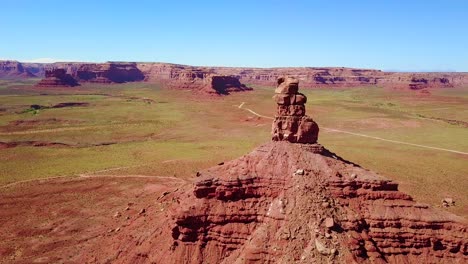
191,77
14,69
57,77
109,73
309,77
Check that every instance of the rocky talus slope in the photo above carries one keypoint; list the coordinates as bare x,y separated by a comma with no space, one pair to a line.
289,203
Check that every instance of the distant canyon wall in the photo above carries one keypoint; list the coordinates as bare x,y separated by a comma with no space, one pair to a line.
194,77
309,77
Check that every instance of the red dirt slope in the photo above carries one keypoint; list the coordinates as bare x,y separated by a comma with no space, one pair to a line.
289,203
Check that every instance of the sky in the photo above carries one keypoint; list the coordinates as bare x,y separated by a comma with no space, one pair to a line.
392,35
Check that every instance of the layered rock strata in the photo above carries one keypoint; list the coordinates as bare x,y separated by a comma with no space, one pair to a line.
109,73
13,69
191,77
291,123
310,77
290,203
57,78
223,84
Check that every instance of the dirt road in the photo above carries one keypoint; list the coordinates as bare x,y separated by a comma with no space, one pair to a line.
241,106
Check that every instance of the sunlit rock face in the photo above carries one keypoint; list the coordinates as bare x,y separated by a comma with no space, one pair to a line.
291,122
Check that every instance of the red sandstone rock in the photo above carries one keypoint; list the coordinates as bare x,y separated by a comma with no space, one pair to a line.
287,85
14,69
191,77
256,210
109,73
291,124
57,77
222,84
290,99
310,77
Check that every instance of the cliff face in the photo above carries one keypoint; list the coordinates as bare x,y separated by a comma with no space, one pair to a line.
57,78
39,69
192,77
309,77
13,69
109,73
184,76
224,84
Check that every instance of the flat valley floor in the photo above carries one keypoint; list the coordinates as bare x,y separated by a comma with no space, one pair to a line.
90,151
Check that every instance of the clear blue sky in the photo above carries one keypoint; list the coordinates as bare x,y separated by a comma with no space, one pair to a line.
411,35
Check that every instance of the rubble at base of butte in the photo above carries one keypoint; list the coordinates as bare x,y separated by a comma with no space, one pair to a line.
289,203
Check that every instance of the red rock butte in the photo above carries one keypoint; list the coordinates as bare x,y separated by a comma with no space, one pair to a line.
288,201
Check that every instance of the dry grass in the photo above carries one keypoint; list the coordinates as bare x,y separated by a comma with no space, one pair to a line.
179,133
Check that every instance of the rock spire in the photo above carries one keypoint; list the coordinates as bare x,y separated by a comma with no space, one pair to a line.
291,123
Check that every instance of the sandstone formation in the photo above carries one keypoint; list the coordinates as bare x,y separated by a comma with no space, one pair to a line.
291,123
224,84
39,69
289,203
310,77
294,203
199,80
13,69
191,77
109,73
57,78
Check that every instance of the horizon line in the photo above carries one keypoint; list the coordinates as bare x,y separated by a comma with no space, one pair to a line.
53,60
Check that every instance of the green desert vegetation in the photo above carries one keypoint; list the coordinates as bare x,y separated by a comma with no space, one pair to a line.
143,129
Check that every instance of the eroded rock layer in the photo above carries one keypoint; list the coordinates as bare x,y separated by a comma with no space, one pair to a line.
310,77
224,84
109,73
293,203
291,123
57,78
13,69
191,77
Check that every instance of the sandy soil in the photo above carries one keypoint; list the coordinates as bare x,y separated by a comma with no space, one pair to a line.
56,220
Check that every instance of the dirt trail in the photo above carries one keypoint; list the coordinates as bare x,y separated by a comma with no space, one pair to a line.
363,135
94,175
62,129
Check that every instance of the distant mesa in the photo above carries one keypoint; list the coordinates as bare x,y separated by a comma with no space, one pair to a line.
14,69
189,77
57,78
224,85
109,73
422,82
196,78
199,80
